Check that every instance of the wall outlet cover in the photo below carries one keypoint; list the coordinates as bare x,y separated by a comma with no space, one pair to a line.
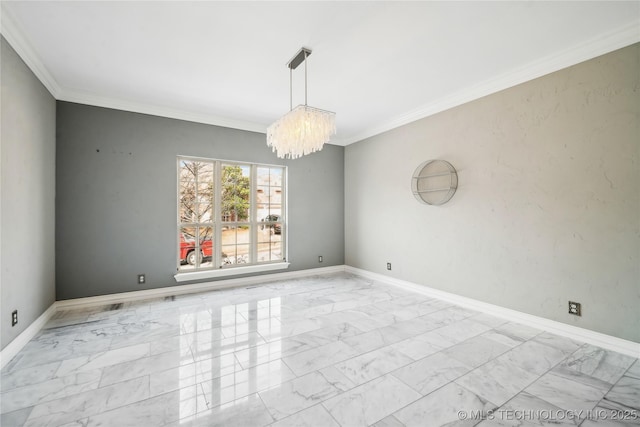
575,308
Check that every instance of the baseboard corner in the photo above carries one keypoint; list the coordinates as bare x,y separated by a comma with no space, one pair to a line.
18,343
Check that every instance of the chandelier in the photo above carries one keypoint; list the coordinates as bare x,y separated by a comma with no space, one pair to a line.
304,129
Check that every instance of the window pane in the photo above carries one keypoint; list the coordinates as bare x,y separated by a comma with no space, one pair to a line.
195,247
235,182
205,202
205,171
187,245
187,200
236,245
270,242
263,175
196,191
275,212
275,196
263,252
205,191
205,208
263,199
269,196
276,251
205,237
276,177
187,208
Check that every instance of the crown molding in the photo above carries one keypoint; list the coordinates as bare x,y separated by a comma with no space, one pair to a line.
157,110
12,33
23,48
617,39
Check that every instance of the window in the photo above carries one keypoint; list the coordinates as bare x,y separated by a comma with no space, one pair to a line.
230,214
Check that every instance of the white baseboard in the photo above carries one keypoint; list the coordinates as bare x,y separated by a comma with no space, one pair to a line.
585,335
601,340
21,340
190,289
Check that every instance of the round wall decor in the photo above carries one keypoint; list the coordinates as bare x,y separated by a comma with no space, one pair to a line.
434,182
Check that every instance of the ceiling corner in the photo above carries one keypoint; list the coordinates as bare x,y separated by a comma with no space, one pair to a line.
14,36
616,39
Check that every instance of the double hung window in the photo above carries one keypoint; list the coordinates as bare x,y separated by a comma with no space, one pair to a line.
230,214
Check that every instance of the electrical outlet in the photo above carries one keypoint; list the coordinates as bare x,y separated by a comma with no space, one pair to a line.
575,308
320,258
14,318
388,266
141,279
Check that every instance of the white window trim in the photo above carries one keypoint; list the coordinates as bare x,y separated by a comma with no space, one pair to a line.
223,272
184,276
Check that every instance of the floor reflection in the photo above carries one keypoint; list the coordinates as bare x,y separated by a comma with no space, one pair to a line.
336,350
232,358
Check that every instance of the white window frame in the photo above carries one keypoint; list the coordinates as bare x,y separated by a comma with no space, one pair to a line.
216,269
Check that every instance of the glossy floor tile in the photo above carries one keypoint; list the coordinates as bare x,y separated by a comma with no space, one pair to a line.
332,350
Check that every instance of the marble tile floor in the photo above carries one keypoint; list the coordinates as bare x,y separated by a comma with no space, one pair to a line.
332,350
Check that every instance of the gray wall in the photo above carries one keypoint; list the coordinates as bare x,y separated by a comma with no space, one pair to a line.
116,197
27,257
548,207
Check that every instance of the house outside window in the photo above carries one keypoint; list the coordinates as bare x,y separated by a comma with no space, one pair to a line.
230,214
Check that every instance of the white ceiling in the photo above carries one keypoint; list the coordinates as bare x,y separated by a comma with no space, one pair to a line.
378,65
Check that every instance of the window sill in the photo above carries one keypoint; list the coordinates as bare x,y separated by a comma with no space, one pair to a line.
225,272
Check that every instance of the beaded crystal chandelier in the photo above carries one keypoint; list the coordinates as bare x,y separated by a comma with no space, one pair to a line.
304,129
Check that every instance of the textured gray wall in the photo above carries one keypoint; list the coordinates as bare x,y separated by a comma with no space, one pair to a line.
548,206
116,197
27,168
